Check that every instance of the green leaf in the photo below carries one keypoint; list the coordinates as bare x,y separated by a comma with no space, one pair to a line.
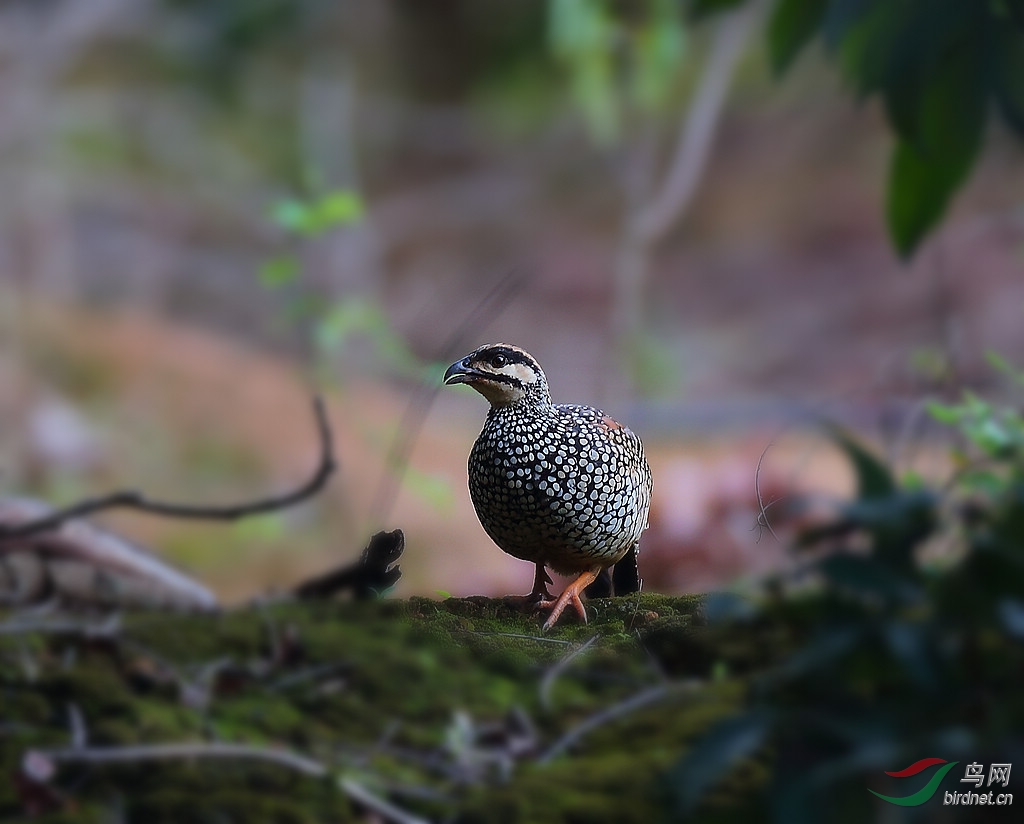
943,412
792,25
873,36
947,120
1003,366
658,48
874,480
278,272
290,214
583,35
339,208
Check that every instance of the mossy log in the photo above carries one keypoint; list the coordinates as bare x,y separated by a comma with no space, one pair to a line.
453,710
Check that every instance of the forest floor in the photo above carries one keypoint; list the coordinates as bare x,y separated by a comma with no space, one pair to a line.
393,710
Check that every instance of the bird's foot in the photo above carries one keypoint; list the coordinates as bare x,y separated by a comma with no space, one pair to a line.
570,595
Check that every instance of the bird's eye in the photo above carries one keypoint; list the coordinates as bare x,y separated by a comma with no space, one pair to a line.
498,361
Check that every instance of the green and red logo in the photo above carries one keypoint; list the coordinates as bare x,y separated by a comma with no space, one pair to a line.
927,791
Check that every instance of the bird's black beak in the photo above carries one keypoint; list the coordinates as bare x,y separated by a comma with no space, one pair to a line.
459,372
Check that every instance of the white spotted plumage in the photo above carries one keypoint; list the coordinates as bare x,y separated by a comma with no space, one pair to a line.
557,484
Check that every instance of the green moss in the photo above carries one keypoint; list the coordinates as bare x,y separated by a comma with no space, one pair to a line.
372,688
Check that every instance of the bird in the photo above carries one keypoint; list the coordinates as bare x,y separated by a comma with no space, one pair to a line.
563,486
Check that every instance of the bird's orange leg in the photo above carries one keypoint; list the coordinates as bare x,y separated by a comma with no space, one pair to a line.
571,595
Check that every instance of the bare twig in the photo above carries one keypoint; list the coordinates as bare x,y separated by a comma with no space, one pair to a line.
385,809
540,638
107,628
652,695
548,681
666,206
762,517
76,722
409,427
130,499
198,749
701,121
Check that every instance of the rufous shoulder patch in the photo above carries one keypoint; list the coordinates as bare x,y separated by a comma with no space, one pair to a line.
609,424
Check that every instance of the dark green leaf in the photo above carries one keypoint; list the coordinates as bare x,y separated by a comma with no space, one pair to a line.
1012,614
703,8
924,174
1013,10
792,25
1008,76
841,16
871,44
920,46
874,480
711,758
866,577
908,644
822,653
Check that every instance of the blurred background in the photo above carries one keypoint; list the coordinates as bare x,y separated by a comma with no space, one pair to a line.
212,210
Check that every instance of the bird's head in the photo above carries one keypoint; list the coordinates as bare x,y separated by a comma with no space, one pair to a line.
502,373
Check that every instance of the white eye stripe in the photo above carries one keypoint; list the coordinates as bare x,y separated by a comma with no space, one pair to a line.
519,371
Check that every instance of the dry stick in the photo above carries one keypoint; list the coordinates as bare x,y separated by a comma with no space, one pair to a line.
130,499
106,628
762,518
157,752
385,809
688,163
548,681
415,414
540,638
635,702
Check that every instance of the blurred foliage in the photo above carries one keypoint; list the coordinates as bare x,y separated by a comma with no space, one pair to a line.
225,35
992,435
939,67
333,323
894,657
617,64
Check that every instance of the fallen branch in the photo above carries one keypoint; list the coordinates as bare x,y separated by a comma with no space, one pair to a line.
762,515
160,752
635,702
548,681
384,809
375,572
130,499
